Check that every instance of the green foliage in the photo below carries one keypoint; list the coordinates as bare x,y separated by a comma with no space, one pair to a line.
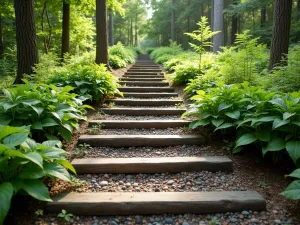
65,216
162,54
92,81
270,120
203,36
24,163
185,72
47,109
293,190
150,50
120,56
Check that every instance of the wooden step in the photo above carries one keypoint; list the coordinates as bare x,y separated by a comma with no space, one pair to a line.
145,70
143,76
141,79
149,95
141,140
145,67
139,124
148,102
143,73
144,83
152,165
144,111
146,89
128,203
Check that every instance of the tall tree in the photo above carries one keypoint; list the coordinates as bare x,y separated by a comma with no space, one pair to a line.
27,51
111,28
172,20
218,21
281,32
263,16
65,42
234,24
101,33
1,38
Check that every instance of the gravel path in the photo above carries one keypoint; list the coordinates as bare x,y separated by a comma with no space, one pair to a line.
101,116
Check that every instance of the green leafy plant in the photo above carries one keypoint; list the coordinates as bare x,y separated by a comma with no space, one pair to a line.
185,72
91,81
47,109
81,150
65,215
293,190
39,212
24,164
203,36
213,221
120,56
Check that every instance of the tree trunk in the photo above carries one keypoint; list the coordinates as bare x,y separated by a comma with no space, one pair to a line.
65,42
131,32
172,21
136,28
111,28
234,25
298,9
281,32
202,10
218,22
101,33
263,17
27,51
1,39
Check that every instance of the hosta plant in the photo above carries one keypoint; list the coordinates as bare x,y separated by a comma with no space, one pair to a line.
48,110
185,72
24,164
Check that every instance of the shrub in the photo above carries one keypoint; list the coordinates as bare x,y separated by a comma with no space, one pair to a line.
173,50
128,55
47,109
25,163
150,50
92,81
116,62
185,72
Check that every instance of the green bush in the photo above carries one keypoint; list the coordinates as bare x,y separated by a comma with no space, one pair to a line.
116,62
24,164
118,53
185,72
268,119
150,50
92,81
171,51
47,109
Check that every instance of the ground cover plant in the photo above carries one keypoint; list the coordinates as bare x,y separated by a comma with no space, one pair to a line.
25,164
121,56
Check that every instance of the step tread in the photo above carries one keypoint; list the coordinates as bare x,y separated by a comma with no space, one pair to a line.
142,100
146,89
152,165
109,203
143,111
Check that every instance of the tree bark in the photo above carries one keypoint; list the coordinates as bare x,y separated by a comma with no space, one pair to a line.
172,20
27,51
281,32
234,25
1,38
298,9
101,33
263,17
111,28
65,42
218,22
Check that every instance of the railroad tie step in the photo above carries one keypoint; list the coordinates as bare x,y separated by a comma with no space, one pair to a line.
139,124
146,89
143,73
140,203
141,140
149,102
143,111
141,79
149,95
143,76
145,83
152,165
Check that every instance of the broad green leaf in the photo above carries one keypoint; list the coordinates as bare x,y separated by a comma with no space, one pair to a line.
66,134
296,123
49,122
7,130
224,126
32,172
54,153
6,193
287,115
233,115
263,135
7,105
67,165
38,110
295,174
223,106
279,123
56,170
237,150
36,188
198,123
292,191
293,148
276,144
5,120
245,139
37,125
217,123
35,158
29,144
15,139
52,143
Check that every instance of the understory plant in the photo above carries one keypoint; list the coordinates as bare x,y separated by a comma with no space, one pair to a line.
185,72
92,81
24,165
50,111
270,120
120,56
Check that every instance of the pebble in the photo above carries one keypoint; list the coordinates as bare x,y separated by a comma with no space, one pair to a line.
170,182
169,220
103,183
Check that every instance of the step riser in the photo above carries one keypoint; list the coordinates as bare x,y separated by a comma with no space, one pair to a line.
146,67
150,95
146,103
143,71
152,165
144,76
146,90
143,112
142,79
144,84
140,141
157,124
156,203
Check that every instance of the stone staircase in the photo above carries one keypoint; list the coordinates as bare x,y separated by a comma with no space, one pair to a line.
147,94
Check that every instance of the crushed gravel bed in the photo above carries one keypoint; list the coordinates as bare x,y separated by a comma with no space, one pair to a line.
101,116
